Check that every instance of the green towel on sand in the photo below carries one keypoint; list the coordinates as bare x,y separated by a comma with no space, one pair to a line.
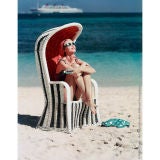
115,122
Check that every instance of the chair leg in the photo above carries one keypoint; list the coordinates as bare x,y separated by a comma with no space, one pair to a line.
68,117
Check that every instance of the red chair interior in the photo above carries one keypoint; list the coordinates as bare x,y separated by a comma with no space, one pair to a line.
52,49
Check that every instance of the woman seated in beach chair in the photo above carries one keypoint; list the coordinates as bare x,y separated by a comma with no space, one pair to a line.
77,73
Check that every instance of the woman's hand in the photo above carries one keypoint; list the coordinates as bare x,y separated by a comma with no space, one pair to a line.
84,64
87,69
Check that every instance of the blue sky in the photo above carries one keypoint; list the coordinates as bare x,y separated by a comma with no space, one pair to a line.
87,5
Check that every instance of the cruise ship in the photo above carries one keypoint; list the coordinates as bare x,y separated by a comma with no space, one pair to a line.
56,9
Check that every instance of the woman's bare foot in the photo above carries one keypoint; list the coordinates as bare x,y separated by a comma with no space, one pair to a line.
93,109
91,105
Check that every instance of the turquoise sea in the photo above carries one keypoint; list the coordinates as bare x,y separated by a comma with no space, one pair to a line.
110,42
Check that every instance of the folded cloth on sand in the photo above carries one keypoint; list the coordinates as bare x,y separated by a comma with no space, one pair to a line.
115,122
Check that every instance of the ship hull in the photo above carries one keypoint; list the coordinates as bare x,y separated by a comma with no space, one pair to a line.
47,11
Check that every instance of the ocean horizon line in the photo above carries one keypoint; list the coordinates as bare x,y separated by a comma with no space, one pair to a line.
79,13
92,14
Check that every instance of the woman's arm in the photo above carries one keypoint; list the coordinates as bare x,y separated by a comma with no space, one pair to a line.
85,67
63,66
81,63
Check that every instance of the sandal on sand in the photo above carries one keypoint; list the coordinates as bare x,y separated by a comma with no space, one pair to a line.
115,122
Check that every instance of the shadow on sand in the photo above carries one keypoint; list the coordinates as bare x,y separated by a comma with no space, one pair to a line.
28,120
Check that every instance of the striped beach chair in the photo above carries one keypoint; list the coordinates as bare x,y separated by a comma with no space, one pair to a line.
60,114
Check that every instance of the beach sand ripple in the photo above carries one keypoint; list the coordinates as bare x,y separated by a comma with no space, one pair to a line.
88,143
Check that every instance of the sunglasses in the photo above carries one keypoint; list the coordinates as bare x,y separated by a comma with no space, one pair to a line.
69,44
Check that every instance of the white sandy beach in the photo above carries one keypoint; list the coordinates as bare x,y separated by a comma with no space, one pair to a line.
88,143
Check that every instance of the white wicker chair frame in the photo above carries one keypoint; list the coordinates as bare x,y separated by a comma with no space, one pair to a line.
57,114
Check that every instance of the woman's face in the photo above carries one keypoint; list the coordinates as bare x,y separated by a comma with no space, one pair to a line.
69,47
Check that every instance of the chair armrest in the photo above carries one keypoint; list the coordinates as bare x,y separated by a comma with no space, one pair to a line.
68,92
95,85
60,82
68,101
